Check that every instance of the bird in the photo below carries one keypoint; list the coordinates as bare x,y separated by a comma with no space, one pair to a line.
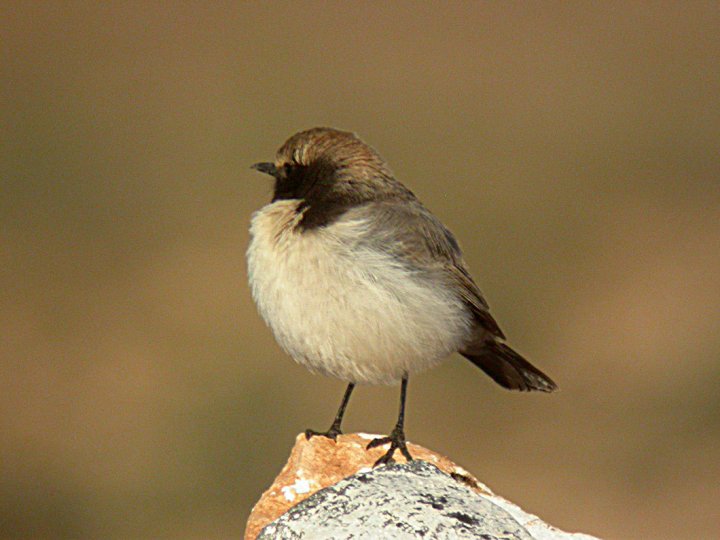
359,281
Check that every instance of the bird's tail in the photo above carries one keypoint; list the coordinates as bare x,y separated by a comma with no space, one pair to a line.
508,368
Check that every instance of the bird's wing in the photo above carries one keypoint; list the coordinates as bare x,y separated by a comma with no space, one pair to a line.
415,237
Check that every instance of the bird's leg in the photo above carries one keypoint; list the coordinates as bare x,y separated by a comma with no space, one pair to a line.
397,437
334,430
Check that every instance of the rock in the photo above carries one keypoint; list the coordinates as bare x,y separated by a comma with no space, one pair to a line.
412,500
329,489
320,462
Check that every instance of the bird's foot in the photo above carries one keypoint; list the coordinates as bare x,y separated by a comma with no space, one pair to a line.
331,433
397,442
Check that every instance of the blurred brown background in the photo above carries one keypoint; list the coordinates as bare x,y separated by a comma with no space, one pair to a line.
573,148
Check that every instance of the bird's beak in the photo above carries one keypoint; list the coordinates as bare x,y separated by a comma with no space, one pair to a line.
267,168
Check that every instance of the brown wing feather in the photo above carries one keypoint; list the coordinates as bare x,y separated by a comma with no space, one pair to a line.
417,238
472,296
414,235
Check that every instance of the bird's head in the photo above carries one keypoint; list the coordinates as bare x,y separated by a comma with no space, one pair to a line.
329,170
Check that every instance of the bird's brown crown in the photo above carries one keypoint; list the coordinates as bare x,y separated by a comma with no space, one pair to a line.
342,150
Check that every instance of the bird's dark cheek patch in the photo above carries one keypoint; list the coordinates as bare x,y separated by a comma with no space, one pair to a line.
289,185
321,215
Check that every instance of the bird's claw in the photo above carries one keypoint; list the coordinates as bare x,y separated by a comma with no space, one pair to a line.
397,442
331,433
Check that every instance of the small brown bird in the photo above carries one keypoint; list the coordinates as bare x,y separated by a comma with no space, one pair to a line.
359,281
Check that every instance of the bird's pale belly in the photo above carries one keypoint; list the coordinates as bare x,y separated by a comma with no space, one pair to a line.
347,312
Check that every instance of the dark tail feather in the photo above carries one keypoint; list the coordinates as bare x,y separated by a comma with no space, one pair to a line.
508,368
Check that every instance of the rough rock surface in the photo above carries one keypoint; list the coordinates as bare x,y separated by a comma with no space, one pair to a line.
320,462
412,500
329,489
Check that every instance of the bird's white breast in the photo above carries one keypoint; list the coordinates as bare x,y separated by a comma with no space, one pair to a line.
345,310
